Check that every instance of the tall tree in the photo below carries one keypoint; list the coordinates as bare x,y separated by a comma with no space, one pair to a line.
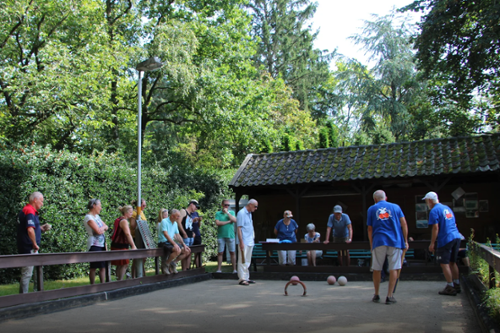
459,42
285,46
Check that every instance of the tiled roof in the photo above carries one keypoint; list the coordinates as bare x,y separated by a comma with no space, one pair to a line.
397,160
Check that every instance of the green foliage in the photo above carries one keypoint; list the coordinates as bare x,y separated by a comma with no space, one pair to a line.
459,43
68,180
288,143
323,138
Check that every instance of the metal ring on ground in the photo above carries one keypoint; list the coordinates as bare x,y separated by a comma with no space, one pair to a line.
302,284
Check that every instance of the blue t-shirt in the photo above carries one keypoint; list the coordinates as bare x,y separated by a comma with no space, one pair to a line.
444,217
28,218
339,228
311,239
384,218
287,232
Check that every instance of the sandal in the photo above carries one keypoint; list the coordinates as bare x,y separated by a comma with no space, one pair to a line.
243,283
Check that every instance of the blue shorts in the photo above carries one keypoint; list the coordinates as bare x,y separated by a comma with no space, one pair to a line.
226,241
449,252
188,241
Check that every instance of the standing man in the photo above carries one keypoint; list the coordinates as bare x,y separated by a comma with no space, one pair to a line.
29,234
189,226
244,222
286,231
339,225
388,235
138,264
444,229
225,220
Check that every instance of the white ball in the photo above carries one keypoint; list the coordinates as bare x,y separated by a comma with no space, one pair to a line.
342,280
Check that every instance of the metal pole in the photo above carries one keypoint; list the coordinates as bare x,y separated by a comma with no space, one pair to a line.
139,137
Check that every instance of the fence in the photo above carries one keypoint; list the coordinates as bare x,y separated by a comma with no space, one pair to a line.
40,260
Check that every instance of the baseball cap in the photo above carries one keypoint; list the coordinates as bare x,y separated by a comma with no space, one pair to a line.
289,213
337,209
195,202
431,196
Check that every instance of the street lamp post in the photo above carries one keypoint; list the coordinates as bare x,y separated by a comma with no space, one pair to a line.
152,64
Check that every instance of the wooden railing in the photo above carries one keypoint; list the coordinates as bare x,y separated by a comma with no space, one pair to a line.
42,259
492,257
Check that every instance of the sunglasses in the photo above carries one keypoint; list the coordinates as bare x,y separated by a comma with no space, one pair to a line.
227,205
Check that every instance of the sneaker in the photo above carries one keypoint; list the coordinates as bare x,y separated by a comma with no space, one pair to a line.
235,272
390,300
173,267
448,291
457,287
376,298
218,271
166,270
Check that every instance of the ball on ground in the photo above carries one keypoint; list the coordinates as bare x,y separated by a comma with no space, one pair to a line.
295,280
331,280
342,280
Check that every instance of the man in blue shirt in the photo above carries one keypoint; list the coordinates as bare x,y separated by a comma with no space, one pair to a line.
444,229
245,241
388,235
339,225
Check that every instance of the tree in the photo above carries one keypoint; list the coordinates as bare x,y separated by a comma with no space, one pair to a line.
285,48
459,42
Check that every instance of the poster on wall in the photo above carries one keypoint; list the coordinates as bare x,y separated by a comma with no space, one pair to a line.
471,205
422,224
458,205
484,206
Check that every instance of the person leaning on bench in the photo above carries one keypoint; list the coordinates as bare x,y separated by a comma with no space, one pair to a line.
168,234
339,225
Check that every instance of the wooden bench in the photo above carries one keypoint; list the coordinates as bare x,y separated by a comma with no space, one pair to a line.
259,256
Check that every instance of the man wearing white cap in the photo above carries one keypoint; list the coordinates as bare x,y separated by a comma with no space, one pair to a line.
339,225
444,229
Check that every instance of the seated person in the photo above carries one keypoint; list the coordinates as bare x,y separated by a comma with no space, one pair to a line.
167,237
312,237
286,231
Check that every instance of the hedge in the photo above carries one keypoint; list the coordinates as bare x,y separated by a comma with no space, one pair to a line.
68,180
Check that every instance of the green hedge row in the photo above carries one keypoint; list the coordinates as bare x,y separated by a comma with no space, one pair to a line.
69,180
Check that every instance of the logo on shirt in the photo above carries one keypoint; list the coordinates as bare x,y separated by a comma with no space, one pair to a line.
383,214
31,222
447,214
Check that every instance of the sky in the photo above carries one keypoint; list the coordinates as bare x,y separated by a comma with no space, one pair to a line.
339,19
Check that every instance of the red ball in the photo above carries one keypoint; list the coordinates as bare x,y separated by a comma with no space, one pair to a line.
295,280
331,280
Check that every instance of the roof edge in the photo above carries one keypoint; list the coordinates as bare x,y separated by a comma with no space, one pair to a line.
240,170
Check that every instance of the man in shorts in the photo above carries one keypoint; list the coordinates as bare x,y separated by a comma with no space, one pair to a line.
444,229
168,236
388,235
225,220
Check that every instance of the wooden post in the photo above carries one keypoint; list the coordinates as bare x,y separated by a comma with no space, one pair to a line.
39,278
492,277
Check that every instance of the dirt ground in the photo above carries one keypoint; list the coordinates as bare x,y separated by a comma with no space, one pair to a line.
225,306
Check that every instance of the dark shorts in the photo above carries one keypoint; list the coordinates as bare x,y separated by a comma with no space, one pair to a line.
98,264
197,240
167,248
449,252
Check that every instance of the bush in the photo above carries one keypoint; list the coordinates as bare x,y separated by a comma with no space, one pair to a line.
68,181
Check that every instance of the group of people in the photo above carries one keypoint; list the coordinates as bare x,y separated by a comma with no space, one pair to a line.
175,238
387,233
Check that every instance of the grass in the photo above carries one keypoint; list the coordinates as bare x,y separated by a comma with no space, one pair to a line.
13,288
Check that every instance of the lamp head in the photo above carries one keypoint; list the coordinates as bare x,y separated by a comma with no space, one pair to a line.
152,64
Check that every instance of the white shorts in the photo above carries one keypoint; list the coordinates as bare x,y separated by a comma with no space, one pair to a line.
393,255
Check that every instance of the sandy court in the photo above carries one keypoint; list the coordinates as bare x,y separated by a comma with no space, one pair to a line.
224,306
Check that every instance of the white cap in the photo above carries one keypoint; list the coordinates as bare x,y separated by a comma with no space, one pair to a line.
431,196
310,227
337,209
